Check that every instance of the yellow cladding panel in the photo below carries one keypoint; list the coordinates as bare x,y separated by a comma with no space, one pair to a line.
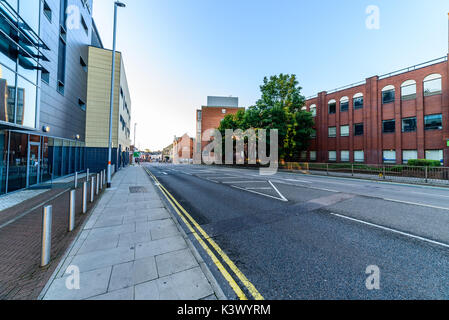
98,98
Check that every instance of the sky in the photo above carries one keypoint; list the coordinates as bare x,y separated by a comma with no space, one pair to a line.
178,52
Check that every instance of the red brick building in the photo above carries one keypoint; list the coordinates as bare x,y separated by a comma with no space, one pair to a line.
183,149
210,116
385,119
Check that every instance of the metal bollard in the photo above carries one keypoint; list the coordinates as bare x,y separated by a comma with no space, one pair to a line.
72,210
101,180
47,217
85,197
104,176
87,175
92,186
76,180
98,184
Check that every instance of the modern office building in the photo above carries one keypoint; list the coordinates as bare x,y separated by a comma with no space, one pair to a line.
98,110
210,116
386,119
43,88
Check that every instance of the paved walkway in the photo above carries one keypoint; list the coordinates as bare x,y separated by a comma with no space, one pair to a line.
131,249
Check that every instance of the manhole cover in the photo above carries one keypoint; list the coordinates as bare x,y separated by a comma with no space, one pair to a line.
137,190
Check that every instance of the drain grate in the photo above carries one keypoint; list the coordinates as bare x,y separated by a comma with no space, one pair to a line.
138,190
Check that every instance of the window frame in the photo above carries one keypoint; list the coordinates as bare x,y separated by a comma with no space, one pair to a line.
383,126
387,90
363,129
332,103
434,128
329,132
341,131
410,118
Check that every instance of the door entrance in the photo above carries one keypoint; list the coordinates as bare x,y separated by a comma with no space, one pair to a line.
34,160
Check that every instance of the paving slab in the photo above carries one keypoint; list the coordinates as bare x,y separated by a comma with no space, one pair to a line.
131,248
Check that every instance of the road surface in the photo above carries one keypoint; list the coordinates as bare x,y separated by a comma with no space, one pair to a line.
311,237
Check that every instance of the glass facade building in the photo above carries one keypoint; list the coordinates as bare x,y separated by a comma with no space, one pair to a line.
29,156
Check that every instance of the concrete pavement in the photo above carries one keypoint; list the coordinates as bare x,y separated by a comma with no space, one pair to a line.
132,249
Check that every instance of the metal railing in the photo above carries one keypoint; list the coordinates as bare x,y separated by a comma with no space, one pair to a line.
396,173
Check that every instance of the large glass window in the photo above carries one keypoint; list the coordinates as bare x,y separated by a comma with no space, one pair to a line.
7,94
358,101
344,104
26,103
388,94
359,129
333,156
409,155
344,156
409,125
389,156
408,90
433,122
435,155
58,161
432,85
46,159
17,177
332,107
389,126
332,132
359,156
344,131
3,160
313,110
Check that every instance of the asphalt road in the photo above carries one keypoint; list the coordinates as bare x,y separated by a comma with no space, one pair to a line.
311,237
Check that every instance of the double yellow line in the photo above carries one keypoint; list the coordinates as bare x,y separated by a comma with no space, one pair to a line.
192,225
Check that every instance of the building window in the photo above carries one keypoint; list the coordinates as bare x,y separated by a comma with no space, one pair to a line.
223,111
359,156
332,107
409,155
433,122
388,94
45,76
389,156
333,156
303,155
344,131
332,132
85,27
82,105
389,126
199,115
313,110
344,104
359,129
435,155
408,90
432,85
84,66
61,88
47,11
312,155
409,125
313,135
358,101
344,156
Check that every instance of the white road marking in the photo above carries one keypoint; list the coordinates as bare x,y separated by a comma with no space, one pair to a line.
165,173
294,180
416,204
276,189
391,230
240,182
259,193
429,194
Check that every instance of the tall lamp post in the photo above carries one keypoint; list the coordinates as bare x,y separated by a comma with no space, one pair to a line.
111,109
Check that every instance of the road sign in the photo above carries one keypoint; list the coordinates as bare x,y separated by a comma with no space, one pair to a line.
447,143
136,154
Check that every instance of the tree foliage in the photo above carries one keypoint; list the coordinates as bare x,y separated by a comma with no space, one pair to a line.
280,107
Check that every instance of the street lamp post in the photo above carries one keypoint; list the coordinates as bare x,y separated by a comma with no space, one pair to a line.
111,109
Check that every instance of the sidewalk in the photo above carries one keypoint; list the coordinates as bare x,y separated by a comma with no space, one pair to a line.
131,249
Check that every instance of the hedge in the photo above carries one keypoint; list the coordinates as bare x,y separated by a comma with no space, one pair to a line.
424,163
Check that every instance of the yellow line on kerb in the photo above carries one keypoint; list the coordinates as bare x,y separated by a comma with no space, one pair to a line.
240,294
223,255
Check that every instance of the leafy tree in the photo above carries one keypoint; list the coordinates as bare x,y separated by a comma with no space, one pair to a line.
280,107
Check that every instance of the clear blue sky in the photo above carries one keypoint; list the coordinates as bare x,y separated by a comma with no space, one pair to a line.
177,52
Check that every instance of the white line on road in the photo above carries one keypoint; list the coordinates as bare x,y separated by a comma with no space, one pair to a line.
295,180
240,182
259,193
280,194
417,204
391,230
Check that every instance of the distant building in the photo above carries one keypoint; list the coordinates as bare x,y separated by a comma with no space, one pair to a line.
183,149
210,117
167,154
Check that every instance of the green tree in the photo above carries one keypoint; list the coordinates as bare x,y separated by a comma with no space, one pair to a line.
280,107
